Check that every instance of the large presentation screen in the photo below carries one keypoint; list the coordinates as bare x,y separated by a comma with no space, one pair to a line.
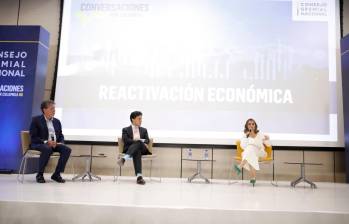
198,69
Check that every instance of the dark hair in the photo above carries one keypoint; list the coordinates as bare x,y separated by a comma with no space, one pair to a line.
45,104
246,125
135,114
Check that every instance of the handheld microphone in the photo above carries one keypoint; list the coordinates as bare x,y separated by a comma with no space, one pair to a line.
52,137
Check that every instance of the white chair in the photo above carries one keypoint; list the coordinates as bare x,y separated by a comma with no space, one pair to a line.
30,153
268,159
27,154
150,158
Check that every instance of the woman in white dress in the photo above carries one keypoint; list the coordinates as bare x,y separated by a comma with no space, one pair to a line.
253,144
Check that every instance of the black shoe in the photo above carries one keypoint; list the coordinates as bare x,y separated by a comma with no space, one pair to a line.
40,179
140,180
121,162
57,178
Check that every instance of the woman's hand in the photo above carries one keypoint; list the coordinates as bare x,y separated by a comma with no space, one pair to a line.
250,132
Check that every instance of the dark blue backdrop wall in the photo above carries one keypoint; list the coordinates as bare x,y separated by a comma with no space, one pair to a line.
23,66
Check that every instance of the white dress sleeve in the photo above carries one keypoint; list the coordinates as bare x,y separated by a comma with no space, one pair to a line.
265,142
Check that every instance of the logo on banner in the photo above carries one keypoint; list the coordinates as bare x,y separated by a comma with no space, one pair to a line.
11,90
310,10
12,63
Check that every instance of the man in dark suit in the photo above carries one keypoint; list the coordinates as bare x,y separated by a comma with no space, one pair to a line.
135,139
47,137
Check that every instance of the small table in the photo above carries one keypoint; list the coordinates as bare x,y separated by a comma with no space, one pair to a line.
198,174
88,173
302,177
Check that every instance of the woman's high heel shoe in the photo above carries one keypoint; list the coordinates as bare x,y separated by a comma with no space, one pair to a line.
237,169
253,182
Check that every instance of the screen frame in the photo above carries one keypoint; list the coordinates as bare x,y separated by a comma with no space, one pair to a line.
221,146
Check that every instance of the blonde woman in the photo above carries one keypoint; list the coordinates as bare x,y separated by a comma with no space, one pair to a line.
253,144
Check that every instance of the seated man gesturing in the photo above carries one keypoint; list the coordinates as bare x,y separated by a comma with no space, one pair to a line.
135,139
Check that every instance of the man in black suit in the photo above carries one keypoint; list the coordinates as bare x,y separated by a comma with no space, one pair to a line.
47,137
135,139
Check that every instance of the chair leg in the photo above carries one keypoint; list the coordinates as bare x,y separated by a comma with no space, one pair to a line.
20,169
151,166
115,173
24,168
73,166
116,177
160,176
150,172
273,181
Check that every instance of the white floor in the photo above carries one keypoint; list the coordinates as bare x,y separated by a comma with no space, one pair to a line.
171,201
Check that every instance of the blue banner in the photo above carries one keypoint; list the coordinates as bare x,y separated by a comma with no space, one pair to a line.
23,66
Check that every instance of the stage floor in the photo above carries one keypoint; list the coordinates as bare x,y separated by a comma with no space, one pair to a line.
169,201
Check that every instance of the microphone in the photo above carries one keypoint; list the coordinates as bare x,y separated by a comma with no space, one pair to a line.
52,136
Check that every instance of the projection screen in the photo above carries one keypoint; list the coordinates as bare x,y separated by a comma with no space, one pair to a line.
198,69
